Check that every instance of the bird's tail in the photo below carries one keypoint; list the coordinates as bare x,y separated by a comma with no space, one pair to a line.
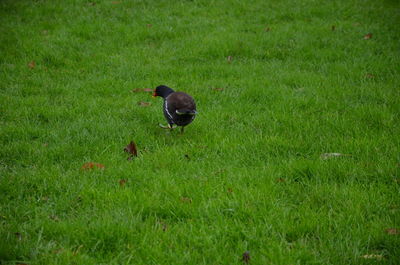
186,112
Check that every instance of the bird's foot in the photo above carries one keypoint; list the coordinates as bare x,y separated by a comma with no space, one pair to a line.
168,127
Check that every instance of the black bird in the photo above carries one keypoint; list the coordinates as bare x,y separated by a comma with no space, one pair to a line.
179,108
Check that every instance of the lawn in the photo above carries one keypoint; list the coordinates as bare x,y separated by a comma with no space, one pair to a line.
293,158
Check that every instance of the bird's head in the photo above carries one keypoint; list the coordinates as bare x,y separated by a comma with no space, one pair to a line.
162,91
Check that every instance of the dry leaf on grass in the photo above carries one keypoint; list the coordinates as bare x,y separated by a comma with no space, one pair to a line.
131,148
280,180
32,64
229,59
369,75
367,36
144,104
122,182
392,231
91,165
267,29
218,88
186,200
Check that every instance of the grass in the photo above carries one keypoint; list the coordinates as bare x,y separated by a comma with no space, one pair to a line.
247,173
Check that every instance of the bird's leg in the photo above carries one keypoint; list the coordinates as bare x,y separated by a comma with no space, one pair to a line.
182,129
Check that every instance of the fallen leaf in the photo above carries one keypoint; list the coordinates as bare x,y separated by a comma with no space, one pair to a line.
230,190
246,257
267,29
91,165
91,4
229,59
116,2
280,180
131,149
392,231
149,25
45,144
368,36
326,156
369,75
372,256
333,28
54,218
186,200
144,104
218,88
122,182
32,64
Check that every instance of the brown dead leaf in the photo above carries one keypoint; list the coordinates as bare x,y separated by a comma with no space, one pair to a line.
267,29
280,180
91,4
116,2
333,28
131,149
246,257
122,182
218,88
186,200
369,75
31,64
144,104
149,25
367,36
54,218
230,190
91,165
372,256
229,59
392,231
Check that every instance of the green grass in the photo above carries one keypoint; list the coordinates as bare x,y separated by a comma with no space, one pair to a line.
245,176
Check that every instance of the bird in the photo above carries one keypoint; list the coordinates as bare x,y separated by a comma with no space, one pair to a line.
179,108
